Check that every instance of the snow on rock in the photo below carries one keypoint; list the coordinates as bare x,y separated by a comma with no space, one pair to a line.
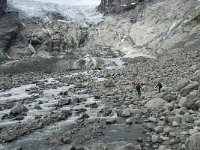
84,15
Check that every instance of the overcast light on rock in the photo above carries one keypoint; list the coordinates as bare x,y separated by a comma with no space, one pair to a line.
73,2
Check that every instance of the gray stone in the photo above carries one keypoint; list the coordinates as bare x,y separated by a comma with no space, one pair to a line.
156,139
64,102
189,88
126,113
111,121
18,109
193,142
156,103
182,83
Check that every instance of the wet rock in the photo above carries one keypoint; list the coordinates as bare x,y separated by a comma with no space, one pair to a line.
193,142
5,116
64,93
18,109
129,121
126,113
105,112
156,103
140,139
93,105
64,102
82,117
111,121
37,107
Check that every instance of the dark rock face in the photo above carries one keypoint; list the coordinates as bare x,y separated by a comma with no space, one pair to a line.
8,31
2,6
117,6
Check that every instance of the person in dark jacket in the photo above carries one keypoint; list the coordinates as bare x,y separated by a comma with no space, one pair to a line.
138,87
159,85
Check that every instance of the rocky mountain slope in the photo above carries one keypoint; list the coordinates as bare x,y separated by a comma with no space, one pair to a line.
52,103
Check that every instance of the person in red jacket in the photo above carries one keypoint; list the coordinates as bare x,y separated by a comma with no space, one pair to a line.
138,87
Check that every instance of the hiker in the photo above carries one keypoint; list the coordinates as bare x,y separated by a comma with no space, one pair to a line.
138,87
159,85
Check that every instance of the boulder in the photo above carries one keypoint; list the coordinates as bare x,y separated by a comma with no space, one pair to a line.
190,101
170,97
64,102
189,88
156,103
193,142
111,121
18,109
126,113
135,111
182,83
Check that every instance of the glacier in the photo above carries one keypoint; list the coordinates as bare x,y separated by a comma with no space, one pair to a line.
81,14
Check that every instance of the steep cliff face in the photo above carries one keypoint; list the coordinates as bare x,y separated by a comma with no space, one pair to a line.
152,27
37,38
2,6
117,6
8,29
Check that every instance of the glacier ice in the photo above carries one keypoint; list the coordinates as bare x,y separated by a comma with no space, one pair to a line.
83,15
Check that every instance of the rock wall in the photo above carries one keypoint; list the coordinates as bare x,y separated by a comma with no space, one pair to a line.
152,27
117,6
8,32
2,6
46,38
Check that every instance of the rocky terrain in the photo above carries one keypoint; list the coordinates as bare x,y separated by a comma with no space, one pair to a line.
81,95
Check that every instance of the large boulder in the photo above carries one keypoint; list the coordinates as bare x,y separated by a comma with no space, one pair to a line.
182,83
189,88
169,96
156,103
190,100
193,142
18,109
